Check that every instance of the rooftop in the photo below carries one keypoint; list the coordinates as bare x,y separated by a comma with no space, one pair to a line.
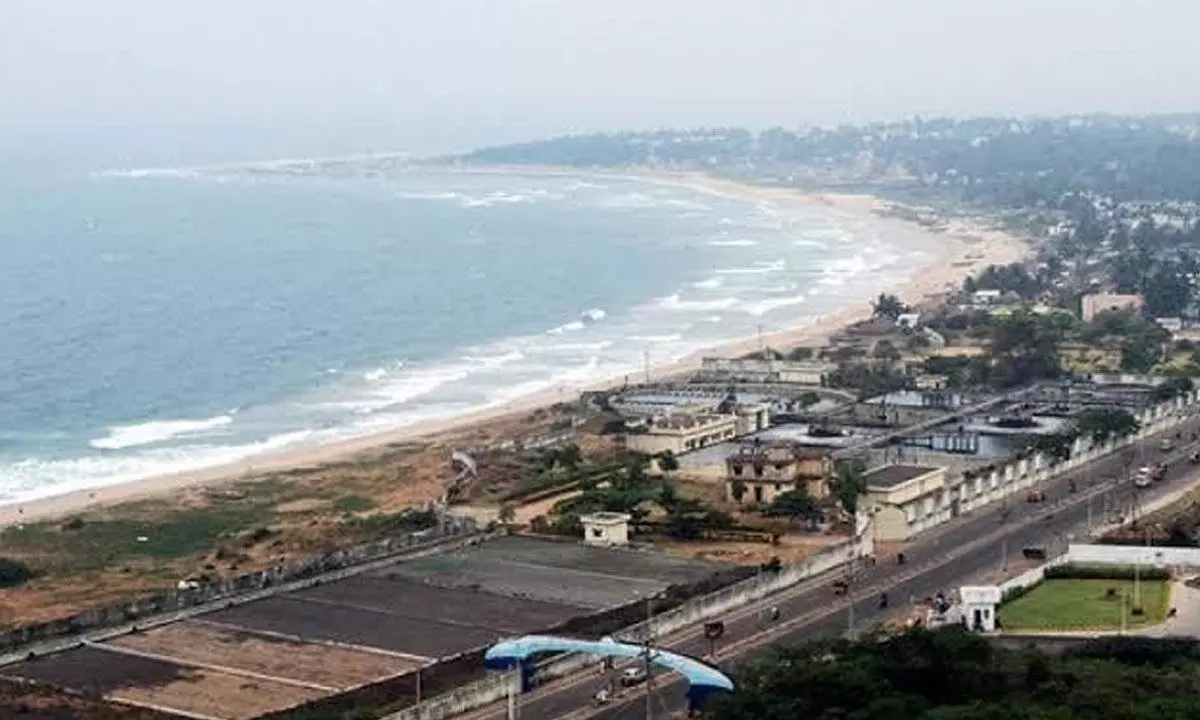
686,420
778,451
605,518
890,476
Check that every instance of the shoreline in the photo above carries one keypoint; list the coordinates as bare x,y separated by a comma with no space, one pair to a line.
961,248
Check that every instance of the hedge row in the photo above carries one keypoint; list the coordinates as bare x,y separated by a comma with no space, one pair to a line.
1106,572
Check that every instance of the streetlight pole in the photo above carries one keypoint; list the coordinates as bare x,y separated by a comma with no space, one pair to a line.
649,666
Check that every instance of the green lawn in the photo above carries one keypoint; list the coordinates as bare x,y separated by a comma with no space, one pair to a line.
1085,605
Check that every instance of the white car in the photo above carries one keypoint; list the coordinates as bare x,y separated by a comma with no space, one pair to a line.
633,676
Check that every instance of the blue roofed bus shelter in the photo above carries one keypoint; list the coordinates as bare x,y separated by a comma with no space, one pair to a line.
703,679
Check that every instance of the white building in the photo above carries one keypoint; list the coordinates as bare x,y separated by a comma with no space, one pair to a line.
770,370
986,297
680,433
606,529
906,500
978,604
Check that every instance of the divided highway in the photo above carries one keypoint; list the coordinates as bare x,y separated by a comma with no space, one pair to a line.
957,553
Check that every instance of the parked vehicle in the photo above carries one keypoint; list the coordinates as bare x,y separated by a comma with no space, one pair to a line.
1036,496
1194,458
1167,445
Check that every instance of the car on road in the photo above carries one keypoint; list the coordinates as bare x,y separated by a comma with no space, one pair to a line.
633,676
1148,475
1167,445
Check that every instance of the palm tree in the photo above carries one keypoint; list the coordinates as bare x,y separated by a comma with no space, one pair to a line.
847,484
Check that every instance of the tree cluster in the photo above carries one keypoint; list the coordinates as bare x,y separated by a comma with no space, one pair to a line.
952,675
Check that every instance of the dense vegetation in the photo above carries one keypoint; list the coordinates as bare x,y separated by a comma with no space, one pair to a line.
996,161
951,675
1113,200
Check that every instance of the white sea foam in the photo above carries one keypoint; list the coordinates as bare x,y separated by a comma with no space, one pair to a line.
428,196
575,347
494,361
406,388
762,307
587,317
674,302
656,339
841,270
709,284
33,478
761,268
740,242
496,198
149,433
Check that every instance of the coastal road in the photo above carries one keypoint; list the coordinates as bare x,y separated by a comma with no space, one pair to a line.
956,553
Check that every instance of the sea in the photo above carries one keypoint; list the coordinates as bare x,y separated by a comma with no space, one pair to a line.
158,320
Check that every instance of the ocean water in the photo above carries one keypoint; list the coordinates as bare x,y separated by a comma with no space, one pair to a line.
154,322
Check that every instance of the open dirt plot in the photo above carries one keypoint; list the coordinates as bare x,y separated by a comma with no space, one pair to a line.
218,695
536,582
621,562
325,621
319,664
162,684
96,671
464,608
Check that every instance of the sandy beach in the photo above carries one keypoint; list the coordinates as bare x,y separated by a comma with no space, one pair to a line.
962,248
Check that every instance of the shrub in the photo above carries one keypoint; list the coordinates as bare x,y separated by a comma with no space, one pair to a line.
1105,572
14,573
1016,592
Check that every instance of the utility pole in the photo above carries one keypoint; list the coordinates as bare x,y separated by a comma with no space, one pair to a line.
1004,553
646,364
850,602
649,666
760,337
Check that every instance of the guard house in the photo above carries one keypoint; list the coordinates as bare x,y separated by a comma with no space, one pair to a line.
979,603
606,529
766,471
906,499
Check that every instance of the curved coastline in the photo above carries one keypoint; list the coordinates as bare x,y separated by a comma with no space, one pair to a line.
959,249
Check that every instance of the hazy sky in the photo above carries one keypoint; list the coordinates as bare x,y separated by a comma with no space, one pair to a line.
460,72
